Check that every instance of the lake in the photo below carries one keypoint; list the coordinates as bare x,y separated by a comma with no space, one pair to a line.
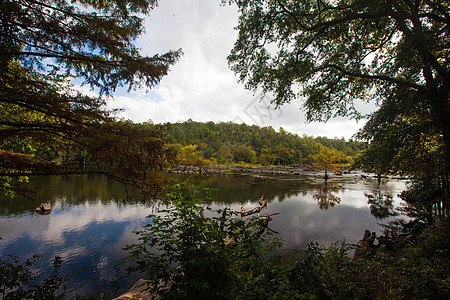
91,221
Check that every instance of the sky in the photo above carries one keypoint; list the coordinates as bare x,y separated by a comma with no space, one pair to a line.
201,86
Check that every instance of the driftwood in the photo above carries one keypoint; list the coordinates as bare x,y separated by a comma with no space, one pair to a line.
141,290
262,204
262,220
138,291
259,219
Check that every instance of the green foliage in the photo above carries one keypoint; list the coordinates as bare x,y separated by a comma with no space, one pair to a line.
92,40
18,282
426,199
320,272
337,53
46,127
435,242
328,273
189,250
232,143
133,155
15,273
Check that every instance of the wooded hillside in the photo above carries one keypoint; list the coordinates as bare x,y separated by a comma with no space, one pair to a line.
224,143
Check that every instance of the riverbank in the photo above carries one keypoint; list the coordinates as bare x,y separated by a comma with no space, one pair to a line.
266,171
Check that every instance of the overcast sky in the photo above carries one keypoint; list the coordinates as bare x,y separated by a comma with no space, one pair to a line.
201,86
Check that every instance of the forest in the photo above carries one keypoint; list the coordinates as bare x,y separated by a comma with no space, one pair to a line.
330,54
228,143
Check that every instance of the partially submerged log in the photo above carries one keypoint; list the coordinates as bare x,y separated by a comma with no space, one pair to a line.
141,290
262,204
263,221
138,291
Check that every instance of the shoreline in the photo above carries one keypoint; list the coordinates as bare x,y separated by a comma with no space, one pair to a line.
261,171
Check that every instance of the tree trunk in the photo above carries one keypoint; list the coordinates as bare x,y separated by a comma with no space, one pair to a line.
439,99
444,117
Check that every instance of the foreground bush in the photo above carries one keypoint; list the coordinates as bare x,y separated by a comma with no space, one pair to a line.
17,280
187,253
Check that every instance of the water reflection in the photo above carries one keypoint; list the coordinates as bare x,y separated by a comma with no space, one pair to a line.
325,197
240,188
381,205
90,222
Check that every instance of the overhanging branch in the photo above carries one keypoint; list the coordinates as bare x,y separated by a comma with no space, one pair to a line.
376,77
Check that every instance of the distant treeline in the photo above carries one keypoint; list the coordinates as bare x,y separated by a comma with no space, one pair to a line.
228,143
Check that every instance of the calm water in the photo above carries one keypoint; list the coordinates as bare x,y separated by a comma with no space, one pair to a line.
90,222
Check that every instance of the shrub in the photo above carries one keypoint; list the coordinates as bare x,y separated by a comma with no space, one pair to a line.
187,254
18,282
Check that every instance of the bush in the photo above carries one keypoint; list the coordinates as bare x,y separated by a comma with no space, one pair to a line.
18,282
189,255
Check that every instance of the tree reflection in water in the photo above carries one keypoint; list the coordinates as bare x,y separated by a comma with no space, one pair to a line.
381,205
325,197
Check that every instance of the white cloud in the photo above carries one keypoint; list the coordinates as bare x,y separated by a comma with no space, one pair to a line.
80,217
200,86
52,228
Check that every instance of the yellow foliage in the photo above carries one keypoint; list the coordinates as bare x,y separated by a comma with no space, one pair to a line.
327,159
188,156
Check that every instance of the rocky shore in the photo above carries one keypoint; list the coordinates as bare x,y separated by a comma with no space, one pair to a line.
265,172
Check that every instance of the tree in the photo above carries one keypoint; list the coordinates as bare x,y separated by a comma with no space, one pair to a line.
228,143
43,121
327,159
89,39
333,53
188,156
284,156
224,155
243,153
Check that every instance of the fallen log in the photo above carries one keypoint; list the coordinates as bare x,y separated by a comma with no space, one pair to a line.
262,204
262,220
138,291
142,290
